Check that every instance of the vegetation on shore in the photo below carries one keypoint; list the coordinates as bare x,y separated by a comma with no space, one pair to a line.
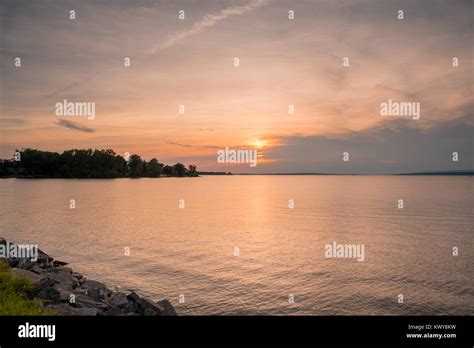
16,295
88,163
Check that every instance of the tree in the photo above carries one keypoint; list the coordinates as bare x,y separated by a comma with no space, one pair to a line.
179,169
136,166
86,163
154,169
167,170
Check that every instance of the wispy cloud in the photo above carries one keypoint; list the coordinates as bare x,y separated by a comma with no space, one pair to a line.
208,21
74,126
178,144
197,146
11,121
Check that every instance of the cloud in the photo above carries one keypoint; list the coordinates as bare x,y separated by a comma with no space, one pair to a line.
74,126
392,147
178,144
11,121
198,146
208,21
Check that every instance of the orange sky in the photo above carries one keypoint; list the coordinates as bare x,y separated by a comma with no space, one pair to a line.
190,62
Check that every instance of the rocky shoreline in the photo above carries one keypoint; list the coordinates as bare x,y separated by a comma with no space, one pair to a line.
67,293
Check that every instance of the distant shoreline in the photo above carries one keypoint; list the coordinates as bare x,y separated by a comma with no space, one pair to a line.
457,173
469,173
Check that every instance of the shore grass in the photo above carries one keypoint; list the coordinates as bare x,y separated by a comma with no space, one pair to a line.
16,295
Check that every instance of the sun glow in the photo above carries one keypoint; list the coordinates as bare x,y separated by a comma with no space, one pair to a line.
258,143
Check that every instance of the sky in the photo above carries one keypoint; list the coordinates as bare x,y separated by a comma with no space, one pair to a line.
282,62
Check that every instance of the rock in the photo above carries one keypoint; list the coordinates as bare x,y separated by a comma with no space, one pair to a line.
44,283
80,291
49,294
92,284
168,308
82,301
114,311
23,263
59,263
37,269
87,311
133,296
59,269
150,308
118,299
63,309
77,275
66,280
43,257
63,293
149,312
54,284
96,294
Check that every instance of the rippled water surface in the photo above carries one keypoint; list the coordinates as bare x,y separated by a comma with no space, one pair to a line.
190,251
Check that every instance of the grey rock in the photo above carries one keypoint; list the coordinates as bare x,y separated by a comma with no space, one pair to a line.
96,294
133,296
86,311
44,282
149,312
59,263
37,269
43,257
147,307
118,299
63,293
168,308
92,284
82,301
59,269
23,263
66,280
49,295
77,275
114,311
63,309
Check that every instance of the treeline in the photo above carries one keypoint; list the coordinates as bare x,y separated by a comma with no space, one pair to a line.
32,163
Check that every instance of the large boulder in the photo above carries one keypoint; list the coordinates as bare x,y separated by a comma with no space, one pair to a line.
64,278
149,307
118,299
49,295
82,301
168,308
95,290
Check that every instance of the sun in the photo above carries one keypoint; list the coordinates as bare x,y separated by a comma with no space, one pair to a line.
258,143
